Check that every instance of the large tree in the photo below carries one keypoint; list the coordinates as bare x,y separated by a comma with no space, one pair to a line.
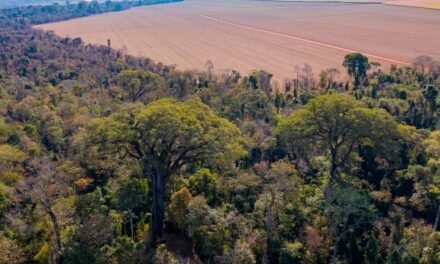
336,126
163,137
357,66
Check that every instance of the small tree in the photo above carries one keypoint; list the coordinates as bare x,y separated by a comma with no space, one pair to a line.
138,83
209,66
178,207
371,254
357,66
327,78
432,146
424,63
281,178
205,183
348,210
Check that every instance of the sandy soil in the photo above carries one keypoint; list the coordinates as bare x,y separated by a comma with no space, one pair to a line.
274,36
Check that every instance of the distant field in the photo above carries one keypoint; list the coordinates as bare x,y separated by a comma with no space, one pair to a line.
18,3
274,36
432,4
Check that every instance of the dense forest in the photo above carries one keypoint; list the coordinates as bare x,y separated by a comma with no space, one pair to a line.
109,158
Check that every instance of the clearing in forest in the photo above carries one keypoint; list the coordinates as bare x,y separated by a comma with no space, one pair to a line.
270,35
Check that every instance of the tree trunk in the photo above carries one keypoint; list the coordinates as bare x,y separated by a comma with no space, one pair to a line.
335,252
357,81
51,255
333,167
158,208
437,220
56,228
269,226
131,226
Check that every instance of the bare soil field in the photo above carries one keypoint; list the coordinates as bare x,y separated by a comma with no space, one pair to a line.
274,36
432,4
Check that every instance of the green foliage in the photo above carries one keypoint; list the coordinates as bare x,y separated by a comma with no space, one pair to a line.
348,211
173,133
205,183
178,207
78,253
133,196
291,253
212,237
42,256
335,126
141,84
371,251
357,66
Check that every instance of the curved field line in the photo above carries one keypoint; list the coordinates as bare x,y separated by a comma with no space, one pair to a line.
304,40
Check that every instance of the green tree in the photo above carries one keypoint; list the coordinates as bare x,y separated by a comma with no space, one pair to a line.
336,126
348,210
208,229
138,83
178,207
432,147
357,66
371,254
163,137
280,179
205,183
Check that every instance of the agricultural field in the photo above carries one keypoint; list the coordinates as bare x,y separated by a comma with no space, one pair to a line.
432,4
268,35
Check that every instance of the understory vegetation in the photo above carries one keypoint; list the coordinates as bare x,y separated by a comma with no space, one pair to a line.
109,158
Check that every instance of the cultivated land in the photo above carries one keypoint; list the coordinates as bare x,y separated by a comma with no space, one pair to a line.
274,36
433,4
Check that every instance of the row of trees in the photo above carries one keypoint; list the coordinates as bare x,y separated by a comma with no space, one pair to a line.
40,14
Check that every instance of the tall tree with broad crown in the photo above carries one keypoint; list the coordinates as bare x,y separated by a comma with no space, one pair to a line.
163,137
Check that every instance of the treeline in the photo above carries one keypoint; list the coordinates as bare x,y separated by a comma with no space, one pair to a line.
57,12
108,158
16,3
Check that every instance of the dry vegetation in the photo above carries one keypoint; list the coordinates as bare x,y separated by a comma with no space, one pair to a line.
274,36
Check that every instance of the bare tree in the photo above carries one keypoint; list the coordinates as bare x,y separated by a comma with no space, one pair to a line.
209,66
307,78
296,88
375,66
327,78
424,63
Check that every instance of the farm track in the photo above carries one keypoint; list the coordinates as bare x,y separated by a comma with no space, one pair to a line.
312,42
